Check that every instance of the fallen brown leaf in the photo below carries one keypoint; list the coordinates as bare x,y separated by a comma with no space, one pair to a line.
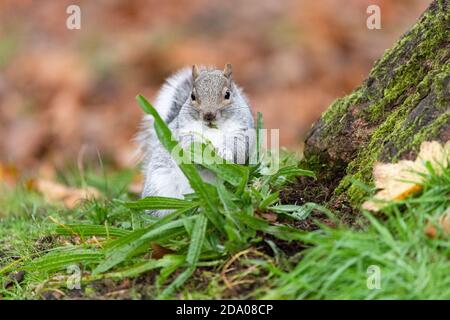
9,174
95,241
269,216
443,223
53,294
136,185
396,181
69,196
14,277
159,251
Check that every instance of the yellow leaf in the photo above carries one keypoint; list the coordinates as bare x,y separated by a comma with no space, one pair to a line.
396,181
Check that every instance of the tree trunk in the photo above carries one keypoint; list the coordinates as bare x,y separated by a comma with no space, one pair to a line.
405,100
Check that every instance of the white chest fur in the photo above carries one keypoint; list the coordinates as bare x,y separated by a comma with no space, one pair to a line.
217,136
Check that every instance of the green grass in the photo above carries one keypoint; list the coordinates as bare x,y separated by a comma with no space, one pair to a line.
217,244
411,265
205,230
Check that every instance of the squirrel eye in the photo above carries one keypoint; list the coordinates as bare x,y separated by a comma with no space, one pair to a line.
193,96
227,95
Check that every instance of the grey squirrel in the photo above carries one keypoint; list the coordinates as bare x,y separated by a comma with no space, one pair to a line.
196,103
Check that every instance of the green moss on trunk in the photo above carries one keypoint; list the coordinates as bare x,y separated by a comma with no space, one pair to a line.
405,100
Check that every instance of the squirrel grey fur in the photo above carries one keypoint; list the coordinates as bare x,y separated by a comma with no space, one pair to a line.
198,103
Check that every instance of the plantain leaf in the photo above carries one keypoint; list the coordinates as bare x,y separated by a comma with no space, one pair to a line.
125,246
203,189
141,267
160,203
273,197
89,230
62,257
280,231
197,240
178,282
295,211
193,255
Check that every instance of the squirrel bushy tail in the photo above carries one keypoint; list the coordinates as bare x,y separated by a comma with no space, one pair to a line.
169,100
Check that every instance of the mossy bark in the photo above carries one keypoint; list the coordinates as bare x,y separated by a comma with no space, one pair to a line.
405,100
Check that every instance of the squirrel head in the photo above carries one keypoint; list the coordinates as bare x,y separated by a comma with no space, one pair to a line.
212,92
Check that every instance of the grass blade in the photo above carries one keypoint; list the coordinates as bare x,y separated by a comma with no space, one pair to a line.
193,255
178,282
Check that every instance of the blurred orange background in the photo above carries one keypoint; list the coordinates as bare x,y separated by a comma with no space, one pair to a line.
69,92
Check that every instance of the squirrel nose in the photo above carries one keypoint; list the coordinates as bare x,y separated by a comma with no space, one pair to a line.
209,116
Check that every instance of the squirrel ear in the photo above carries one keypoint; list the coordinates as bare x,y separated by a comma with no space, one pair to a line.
195,72
228,70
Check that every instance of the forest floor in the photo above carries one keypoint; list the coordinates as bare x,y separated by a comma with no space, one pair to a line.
401,253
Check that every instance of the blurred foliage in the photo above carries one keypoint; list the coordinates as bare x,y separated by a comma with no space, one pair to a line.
69,94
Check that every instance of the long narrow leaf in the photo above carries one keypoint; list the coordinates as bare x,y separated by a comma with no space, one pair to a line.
198,237
167,140
135,270
88,230
280,231
118,253
58,260
295,211
159,203
178,282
